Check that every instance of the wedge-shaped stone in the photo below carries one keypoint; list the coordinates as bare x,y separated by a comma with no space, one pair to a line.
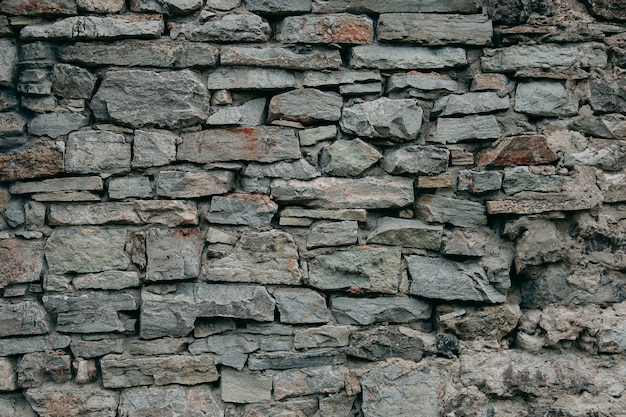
253,210
43,7
315,59
139,98
86,250
470,103
340,28
239,301
517,150
93,183
265,258
397,120
36,160
169,401
250,79
348,157
245,387
260,144
299,170
135,53
71,399
181,184
230,28
444,279
278,7
406,233
364,311
171,7
153,148
395,6
545,98
21,261
173,254
93,27
296,360
301,305
454,130
364,267
23,319
346,193
121,372
406,57
439,209
20,345
308,381
97,151
168,213
169,314
323,336
417,159
342,77
333,234
519,57
306,105
435,29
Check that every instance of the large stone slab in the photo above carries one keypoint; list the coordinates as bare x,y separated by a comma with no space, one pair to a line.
308,381
21,261
260,144
265,257
43,7
139,98
397,120
20,345
342,77
323,336
72,400
22,319
95,27
444,279
253,210
135,53
301,305
407,233
250,79
342,28
245,387
86,250
434,29
440,209
230,28
296,360
171,7
365,311
545,98
306,105
346,193
406,57
519,179
97,151
345,158
170,314
35,160
184,184
169,401
429,85
91,183
454,130
395,6
173,254
315,59
416,159
239,301
517,150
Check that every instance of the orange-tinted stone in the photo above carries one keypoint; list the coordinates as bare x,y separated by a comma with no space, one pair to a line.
41,159
517,150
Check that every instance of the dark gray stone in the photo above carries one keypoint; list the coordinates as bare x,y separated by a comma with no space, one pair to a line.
300,306
253,210
406,57
72,82
306,105
230,28
364,311
416,159
406,233
314,59
291,360
346,158
462,213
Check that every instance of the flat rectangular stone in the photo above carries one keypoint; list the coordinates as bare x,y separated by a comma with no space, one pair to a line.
245,387
287,360
453,130
342,28
95,27
435,29
342,214
545,98
66,196
253,210
92,183
365,311
310,137
238,301
36,160
109,280
314,59
125,187
8,61
97,151
470,103
534,206
407,233
21,345
250,79
23,318
21,261
278,7
322,337
326,79
308,381
103,320
395,6
173,254
97,347
181,184
39,7
406,57
440,209
236,27
422,81
261,144
168,7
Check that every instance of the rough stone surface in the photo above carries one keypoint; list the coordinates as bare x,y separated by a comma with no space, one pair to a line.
545,98
186,184
316,59
364,311
50,7
230,28
72,400
297,360
97,151
346,158
92,27
453,130
298,306
323,336
9,62
251,79
169,400
23,318
37,368
298,170
306,106
470,103
406,57
517,150
308,381
462,213
407,233
240,301
416,159
166,6
243,209
173,254
333,234
36,160
245,387
394,6
386,342
56,124
21,261
325,29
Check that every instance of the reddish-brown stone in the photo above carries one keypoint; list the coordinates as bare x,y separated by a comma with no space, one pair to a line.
609,9
20,261
517,150
41,159
331,28
38,7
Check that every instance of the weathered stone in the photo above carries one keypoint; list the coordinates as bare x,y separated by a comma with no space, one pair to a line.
333,234
250,113
13,123
394,6
243,209
364,311
86,250
342,77
72,82
308,381
125,187
427,84
185,184
8,61
168,213
329,28
348,157
23,318
416,159
101,6
296,360
240,302
167,314
175,7
85,371
345,214
93,183
519,179
39,104
306,105
613,10
374,88
56,124
439,209
298,306
470,103
386,342
21,261
299,170
169,401
519,57
15,405
120,372
140,98
264,257
72,400
163,346
134,53
607,93
517,150
390,389
449,280
8,382
344,193
14,213
487,322
545,98
323,336
438,181
153,148
365,267
383,118
37,368
8,100
315,59
109,280
230,28
93,27
250,79
173,254
224,343
97,151
44,7
278,7
489,82
20,345
406,57
260,144
434,29
453,130
89,302
479,181
406,233
245,387
35,81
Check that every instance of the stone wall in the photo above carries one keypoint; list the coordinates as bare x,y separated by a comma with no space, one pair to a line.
312,208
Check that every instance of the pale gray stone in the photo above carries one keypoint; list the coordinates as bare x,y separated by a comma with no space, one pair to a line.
453,130
223,5
43,7
465,242
153,148
364,267
305,105
407,233
348,157
342,77
224,344
8,62
102,320
90,183
169,401
214,235
395,6
361,89
364,311
89,301
336,405
163,346
14,212
406,57
422,81
56,124
545,98
310,137
121,372
479,181
101,6
251,113
97,151
333,234
254,210
109,280
35,81
125,187
323,336
20,345
296,360
70,81
139,98
135,53
340,28
278,7
94,27
440,209
470,103
245,387
71,399
346,193
173,254
441,278
225,116
15,405
184,184
519,179
240,302
299,170
416,159
301,305
86,250
261,257
21,261
23,318
8,376
229,28
39,367
397,120
259,144
250,79
435,29
314,59
308,381
171,7
171,314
